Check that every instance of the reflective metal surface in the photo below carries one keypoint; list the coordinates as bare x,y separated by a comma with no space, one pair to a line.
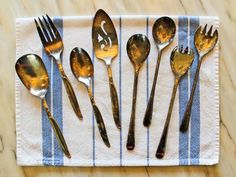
204,42
105,45
163,32
53,45
138,48
82,68
180,62
34,76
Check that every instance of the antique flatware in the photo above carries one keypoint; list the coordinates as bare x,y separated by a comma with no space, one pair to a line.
204,43
180,61
105,45
53,46
138,48
82,68
163,32
33,74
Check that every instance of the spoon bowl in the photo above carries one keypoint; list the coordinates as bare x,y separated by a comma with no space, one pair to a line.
138,48
163,31
33,74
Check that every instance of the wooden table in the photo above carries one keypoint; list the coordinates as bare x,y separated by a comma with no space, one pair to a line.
11,9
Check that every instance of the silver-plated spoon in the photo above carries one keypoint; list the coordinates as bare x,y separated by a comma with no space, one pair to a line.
138,48
163,32
82,68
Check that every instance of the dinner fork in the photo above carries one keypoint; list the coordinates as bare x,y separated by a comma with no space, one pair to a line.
53,46
204,42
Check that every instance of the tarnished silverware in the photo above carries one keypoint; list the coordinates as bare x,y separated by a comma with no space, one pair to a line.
105,45
138,48
53,46
163,32
34,76
82,68
204,43
180,62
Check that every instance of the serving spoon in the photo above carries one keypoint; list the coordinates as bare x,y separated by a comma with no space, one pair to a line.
82,68
180,61
163,32
33,74
138,48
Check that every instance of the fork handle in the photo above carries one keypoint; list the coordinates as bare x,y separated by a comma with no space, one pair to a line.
56,130
70,91
185,122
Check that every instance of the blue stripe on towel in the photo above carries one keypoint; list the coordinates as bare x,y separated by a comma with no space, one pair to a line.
183,92
195,114
120,86
46,127
147,90
57,99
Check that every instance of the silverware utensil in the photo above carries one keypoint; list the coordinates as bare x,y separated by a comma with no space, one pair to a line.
204,43
105,45
33,74
138,48
163,32
53,45
180,61
82,68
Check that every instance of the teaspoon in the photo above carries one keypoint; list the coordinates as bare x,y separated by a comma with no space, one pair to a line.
82,68
33,74
138,48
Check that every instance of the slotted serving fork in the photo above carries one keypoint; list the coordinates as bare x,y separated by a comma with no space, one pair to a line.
204,42
53,45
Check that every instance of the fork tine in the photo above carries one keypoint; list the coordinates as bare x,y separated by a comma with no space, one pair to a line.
44,29
204,29
186,50
210,31
43,40
215,33
48,27
54,29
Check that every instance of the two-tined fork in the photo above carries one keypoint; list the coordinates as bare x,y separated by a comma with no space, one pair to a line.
53,45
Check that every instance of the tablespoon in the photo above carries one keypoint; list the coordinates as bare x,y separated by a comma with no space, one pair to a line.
163,32
33,74
138,48
180,62
82,68
204,43
105,45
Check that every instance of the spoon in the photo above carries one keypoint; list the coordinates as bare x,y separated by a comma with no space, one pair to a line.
82,68
138,48
33,74
180,62
163,32
204,43
105,45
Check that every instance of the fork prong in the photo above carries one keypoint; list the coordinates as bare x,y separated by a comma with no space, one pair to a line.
41,35
54,29
204,29
48,28
186,50
44,29
215,33
210,31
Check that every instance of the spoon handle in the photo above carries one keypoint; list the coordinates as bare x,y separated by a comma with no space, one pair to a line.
70,91
162,144
99,119
185,122
131,134
148,114
114,98
56,130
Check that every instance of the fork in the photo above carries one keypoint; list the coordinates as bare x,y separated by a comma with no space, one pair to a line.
53,45
180,61
204,43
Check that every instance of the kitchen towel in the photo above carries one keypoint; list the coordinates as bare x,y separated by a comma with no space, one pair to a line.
36,143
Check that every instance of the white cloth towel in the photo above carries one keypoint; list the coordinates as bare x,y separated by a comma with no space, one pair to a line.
36,143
